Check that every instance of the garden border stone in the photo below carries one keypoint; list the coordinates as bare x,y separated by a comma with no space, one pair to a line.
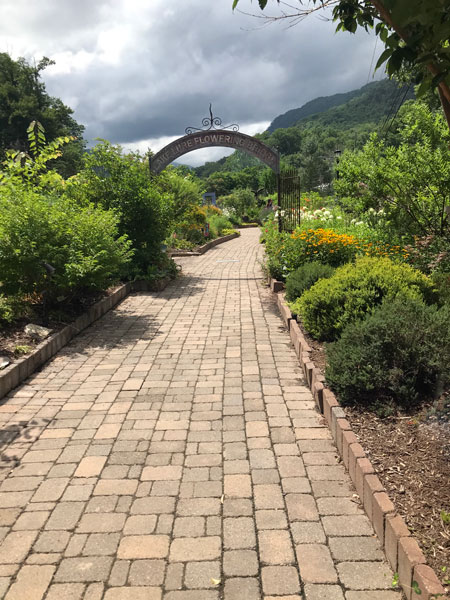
401,549
18,371
202,249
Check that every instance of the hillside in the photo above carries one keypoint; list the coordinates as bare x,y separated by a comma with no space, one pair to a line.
318,105
310,143
367,104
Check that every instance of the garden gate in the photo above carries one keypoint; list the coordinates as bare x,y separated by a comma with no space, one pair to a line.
289,200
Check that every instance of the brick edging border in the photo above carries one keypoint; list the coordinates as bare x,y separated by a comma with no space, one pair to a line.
401,549
17,372
205,247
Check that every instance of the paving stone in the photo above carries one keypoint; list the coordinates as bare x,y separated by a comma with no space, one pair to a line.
31,583
84,569
378,595
143,546
275,547
66,591
365,575
101,523
271,519
280,580
302,507
239,533
52,541
147,572
354,548
353,525
241,587
323,592
189,527
195,549
238,486
133,593
240,563
200,575
191,595
16,546
101,544
65,516
315,563
140,524
90,466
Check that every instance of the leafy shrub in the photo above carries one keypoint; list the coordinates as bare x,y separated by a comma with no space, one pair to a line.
304,277
442,283
241,203
227,231
179,243
399,354
163,267
38,233
7,310
430,253
217,223
120,182
356,289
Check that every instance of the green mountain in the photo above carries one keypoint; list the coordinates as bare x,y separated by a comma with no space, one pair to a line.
367,104
318,105
310,143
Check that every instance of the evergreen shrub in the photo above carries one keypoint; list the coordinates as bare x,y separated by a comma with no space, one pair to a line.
356,289
305,277
399,354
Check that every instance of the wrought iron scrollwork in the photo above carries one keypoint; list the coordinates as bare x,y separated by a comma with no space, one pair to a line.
212,123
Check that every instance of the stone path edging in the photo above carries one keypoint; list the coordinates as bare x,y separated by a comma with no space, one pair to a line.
401,549
14,374
202,249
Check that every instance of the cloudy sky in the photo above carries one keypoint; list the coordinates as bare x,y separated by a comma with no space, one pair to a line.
138,72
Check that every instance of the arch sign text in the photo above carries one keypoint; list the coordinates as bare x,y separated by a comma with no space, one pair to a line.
217,137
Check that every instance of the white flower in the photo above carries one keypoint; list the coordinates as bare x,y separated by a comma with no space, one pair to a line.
360,223
353,221
339,218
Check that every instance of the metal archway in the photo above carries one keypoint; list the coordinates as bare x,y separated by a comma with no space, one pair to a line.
214,135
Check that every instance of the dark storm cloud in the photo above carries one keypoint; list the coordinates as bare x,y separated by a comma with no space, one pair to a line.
137,70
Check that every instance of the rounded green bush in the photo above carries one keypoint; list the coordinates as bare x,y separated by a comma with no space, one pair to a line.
305,277
356,289
38,233
398,354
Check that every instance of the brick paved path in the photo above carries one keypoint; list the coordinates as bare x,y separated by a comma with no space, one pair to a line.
173,445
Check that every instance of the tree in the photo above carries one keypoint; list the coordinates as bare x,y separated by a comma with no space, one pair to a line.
23,99
409,182
414,32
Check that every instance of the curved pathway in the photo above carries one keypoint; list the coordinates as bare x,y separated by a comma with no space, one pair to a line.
172,451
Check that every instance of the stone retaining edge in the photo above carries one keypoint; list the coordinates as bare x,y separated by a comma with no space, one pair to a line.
14,374
205,247
401,549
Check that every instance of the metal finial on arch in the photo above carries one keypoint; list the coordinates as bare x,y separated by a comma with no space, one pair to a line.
212,123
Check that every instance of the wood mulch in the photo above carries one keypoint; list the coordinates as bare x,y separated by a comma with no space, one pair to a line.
411,455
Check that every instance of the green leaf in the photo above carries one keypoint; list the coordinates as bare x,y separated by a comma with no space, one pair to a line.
383,58
416,588
262,4
235,3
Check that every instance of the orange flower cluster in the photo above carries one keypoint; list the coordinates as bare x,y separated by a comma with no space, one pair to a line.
320,243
